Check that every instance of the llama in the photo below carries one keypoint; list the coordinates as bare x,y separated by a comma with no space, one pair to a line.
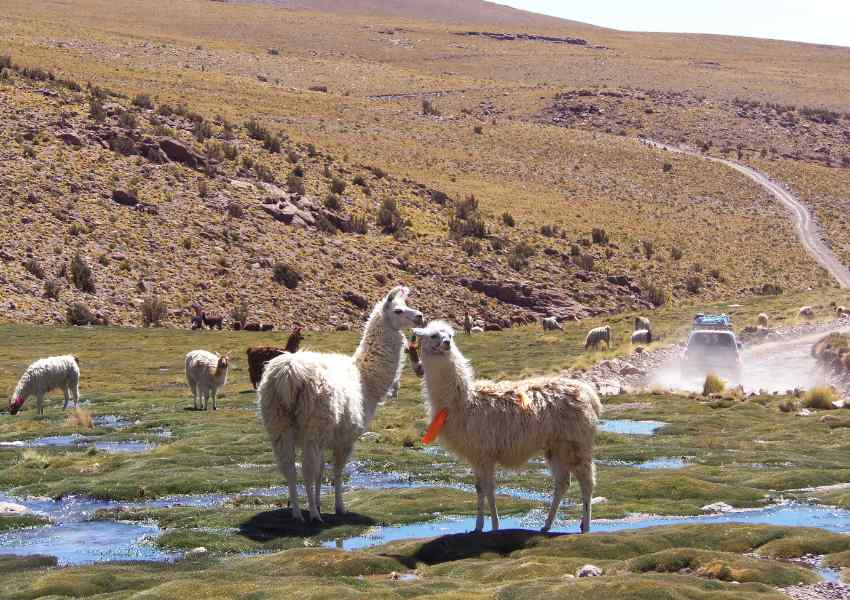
597,336
642,336
551,324
205,373
467,323
762,320
506,423
45,375
212,322
642,324
316,401
258,356
806,312
842,311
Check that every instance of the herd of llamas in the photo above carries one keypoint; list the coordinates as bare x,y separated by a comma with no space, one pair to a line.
317,402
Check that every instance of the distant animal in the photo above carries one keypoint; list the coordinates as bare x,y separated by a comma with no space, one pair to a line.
596,336
642,323
842,311
807,312
642,336
467,324
45,375
258,356
197,322
506,423
316,401
763,320
258,327
206,372
476,329
212,322
551,324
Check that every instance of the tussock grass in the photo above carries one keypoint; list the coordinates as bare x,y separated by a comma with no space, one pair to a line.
820,398
713,385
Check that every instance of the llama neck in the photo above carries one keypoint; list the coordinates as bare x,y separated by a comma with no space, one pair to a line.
448,380
379,358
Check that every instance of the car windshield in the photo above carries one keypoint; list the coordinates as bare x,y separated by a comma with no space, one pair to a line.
712,341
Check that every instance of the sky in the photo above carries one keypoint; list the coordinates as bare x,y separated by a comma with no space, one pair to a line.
815,21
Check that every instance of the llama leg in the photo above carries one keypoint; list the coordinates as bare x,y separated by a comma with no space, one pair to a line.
194,389
481,491
311,467
75,394
213,393
67,397
284,449
586,475
490,490
320,471
561,479
39,403
340,458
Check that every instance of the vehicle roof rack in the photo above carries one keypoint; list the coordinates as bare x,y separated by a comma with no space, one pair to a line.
704,321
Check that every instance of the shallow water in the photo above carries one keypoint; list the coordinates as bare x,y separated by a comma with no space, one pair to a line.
628,427
78,441
663,462
797,515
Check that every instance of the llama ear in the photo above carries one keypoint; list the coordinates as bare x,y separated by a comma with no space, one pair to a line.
398,291
419,332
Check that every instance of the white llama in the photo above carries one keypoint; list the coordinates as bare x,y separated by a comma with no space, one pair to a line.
506,423
44,375
316,401
205,373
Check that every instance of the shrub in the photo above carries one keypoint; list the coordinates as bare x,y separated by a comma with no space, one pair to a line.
295,184
599,236
648,248
655,294
676,253
255,130
81,275
34,268
5,61
203,188
520,255
213,151
79,314
586,262
235,210
127,120
358,180
788,405
508,219
337,185
142,101
359,224
202,130
263,173
713,385
497,244
668,167
324,224
96,110
820,398
165,110
389,217
287,275
163,130
575,250
292,157
478,130
471,247
378,172
311,151
693,283
466,208
332,201
239,313
298,171
272,143
473,226
52,288
549,230
231,152
845,161
429,109
154,311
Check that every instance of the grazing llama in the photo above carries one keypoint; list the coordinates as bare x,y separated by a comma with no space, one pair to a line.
316,401
45,375
762,320
258,356
506,423
596,336
642,324
205,373
551,324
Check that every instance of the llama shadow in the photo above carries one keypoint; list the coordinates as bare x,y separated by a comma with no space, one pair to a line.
275,524
459,546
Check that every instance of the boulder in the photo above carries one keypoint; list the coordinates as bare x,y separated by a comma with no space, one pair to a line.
589,571
355,299
71,138
125,197
178,152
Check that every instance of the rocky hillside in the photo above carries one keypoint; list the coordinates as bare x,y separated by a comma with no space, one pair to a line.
115,201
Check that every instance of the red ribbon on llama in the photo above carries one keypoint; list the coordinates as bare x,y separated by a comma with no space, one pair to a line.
435,427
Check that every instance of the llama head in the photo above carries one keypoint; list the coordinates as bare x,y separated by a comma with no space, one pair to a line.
435,339
223,363
15,404
397,313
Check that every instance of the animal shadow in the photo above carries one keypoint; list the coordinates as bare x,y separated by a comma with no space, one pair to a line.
459,546
275,524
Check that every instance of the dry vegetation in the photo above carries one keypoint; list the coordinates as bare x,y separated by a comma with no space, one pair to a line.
202,234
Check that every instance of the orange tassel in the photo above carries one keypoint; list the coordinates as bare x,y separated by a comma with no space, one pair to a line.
523,402
435,427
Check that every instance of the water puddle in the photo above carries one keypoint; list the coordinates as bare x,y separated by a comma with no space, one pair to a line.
628,427
81,442
664,462
112,421
792,515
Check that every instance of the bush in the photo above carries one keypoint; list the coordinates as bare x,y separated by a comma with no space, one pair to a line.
96,110
272,143
497,244
295,184
508,219
429,109
231,152
693,283
378,172
235,210
473,226
359,224
820,398
520,255
239,313
79,314
466,208
713,385
292,157
676,253
81,275
142,101
337,185
255,130
165,110
298,171
358,180
52,289
599,236
34,268
389,217
471,247
263,173
202,130
127,120
549,230
655,294
478,130
287,275
789,405
586,262
154,311
648,248
332,202
668,167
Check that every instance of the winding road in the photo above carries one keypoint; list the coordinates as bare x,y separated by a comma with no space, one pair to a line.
807,229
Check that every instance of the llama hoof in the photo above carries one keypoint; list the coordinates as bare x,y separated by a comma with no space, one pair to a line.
341,512
545,528
316,520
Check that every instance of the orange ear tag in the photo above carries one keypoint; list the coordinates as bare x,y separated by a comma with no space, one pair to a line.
435,427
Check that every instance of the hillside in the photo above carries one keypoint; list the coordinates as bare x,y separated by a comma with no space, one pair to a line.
411,112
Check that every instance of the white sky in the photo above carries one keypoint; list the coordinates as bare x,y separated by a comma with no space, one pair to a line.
816,21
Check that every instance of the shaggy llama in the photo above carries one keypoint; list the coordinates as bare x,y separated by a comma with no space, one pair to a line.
45,375
205,373
596,336
551,324
316,401
506,423
762,320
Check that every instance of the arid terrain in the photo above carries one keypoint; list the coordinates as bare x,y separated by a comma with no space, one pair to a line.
537,119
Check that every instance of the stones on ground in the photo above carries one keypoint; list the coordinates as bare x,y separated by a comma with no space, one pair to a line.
125,197
71,138
355,299
10,509
589,571
717,507
178,152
